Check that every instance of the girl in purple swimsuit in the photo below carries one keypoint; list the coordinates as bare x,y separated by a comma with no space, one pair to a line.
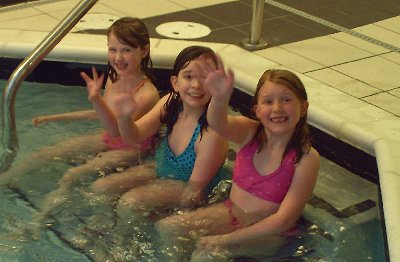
274,175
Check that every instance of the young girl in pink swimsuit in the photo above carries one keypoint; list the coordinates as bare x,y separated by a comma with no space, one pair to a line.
129,73
274,175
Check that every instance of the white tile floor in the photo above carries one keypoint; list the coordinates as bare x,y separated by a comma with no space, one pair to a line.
353,85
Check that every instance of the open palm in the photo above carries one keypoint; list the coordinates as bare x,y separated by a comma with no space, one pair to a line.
124,105
217,80
94,84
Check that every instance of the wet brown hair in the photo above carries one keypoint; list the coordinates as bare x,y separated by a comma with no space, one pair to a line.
174,103
133,32
300,140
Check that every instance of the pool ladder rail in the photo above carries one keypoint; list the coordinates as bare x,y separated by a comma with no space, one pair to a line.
9,136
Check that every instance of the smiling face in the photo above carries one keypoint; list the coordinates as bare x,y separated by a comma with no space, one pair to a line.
278,108
124,58
187,84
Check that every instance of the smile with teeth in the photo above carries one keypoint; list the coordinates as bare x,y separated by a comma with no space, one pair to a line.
195,95
121,66
278,119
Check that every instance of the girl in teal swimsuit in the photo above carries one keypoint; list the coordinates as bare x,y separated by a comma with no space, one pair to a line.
274,175
190,155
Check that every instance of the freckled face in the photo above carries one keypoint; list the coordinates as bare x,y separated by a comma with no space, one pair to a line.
124,58
278,108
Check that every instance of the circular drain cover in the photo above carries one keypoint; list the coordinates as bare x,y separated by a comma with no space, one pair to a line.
96,21
183,30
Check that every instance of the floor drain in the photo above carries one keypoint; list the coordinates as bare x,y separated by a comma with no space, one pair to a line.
183,30
96,21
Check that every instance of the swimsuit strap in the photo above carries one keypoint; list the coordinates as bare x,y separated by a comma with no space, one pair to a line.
141,83
194,136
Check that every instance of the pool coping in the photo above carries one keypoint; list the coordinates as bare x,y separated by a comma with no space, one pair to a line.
366,134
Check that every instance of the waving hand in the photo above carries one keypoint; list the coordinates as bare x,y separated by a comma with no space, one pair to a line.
94,84
218,80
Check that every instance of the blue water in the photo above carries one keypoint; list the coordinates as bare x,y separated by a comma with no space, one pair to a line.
327,238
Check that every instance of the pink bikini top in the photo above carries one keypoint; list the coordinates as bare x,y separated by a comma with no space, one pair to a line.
272,187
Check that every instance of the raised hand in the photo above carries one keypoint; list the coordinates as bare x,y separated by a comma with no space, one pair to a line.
216,79
93,85
123,105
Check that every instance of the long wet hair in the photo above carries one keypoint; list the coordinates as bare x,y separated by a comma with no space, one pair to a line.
174,103
133,32
300,140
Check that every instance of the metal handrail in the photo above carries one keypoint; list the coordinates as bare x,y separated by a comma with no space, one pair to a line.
9,136
254,41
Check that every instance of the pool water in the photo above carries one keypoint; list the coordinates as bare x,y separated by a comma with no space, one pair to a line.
341,222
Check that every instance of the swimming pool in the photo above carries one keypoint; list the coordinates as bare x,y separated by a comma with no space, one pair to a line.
342,220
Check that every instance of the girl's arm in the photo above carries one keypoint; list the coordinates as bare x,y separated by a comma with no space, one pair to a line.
220,84
93,86
106,116
85,114
136,132
144,100
210,156
290,210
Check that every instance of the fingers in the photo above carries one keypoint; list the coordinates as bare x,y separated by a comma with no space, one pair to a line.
201,68
101,79
35,122
96,81
85,77
94,72
220,65
211,61
230,77
209,65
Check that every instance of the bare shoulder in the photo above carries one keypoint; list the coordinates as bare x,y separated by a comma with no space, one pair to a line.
146,97
309,162
149,86
148,90
312,155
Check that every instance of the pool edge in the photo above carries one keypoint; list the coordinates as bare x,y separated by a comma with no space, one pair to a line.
376,142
